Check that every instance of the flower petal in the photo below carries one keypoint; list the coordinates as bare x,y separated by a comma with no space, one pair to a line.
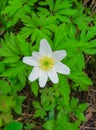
53,76
36,55
62,68
45,49
30,61
42,78
34,74
59,55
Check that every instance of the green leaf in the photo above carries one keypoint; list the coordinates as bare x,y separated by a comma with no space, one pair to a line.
60,33
3,4
90,51
14,126
62,121
1,122
18,105
16,9
2,67
64,89
23,46
22,78
12,59
4,87
59,4
82,107
24,30
91,33
73,102
68,12
76,62
34,88
37,26
7,117
79,115
49,125
6,103
29,126
15,5
90,47
82,79
15,71
10,47
11,43
37,105
39,112
50,3
81,19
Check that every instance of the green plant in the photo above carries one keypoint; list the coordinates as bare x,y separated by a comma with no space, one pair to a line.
66,26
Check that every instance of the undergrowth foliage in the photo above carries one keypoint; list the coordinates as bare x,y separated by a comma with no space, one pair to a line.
65,26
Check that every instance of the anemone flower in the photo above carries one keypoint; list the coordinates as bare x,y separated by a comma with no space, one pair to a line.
46,64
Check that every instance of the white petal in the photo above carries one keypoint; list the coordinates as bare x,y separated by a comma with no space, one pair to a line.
45,49
59,55
53,76
36,55
43,77
30,61
62,68
34,74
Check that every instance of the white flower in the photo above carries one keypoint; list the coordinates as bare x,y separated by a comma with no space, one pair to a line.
46,64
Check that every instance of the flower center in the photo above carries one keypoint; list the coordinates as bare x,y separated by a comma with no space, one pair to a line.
46,63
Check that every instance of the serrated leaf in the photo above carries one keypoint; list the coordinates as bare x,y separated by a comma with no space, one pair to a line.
22,78
90,47
81,78
2,67
68,12
6,103
15,71
14,126
91,33
82,107
13,7
37,105
80,115
77,61
23,46
64,89
18,106
34,88
11,43
90,51
73,102
4,87
49,125
7,117
11,59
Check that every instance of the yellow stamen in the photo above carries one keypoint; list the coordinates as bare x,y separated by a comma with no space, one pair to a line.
46,63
